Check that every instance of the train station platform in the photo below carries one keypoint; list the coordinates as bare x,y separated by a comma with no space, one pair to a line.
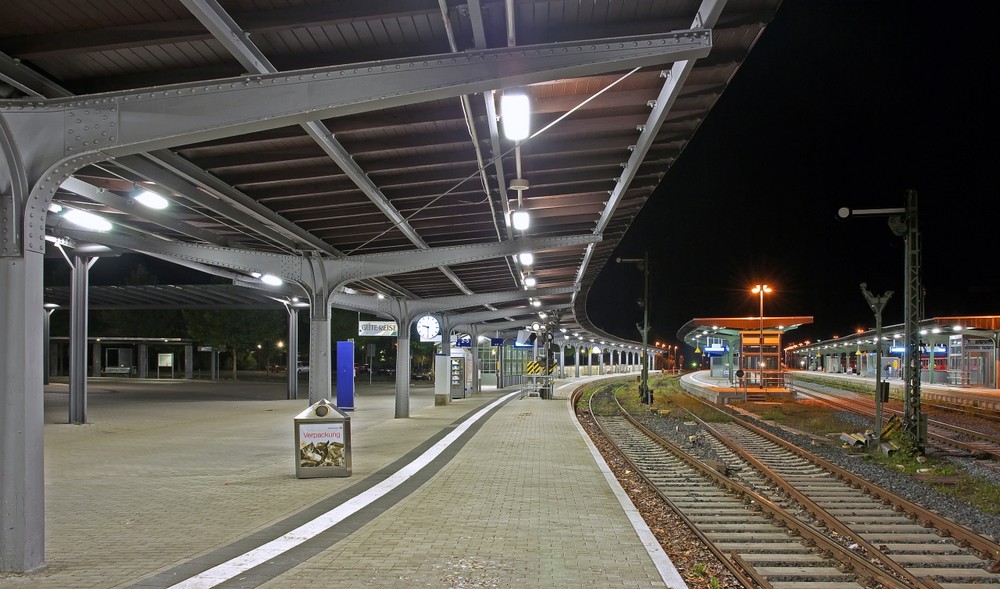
192,484
720,391
971,396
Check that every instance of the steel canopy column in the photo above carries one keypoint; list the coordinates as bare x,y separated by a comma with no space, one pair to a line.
601,365
446,327
562,360
293,352
405,322
22,486
79,283
477,378
579,357
46,343
320,361
188,361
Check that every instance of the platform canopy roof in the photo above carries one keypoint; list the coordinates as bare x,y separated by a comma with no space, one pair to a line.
932,329
733,326
337,129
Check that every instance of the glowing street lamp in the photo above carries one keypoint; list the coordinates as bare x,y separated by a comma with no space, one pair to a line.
761,289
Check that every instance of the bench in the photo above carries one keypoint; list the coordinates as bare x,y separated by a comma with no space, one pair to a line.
118,370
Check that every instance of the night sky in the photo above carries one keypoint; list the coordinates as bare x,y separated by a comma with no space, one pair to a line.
840,104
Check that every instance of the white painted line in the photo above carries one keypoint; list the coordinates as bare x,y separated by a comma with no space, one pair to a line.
668,572
309,530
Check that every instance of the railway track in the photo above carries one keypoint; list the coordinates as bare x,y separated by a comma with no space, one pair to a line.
941,433
778,520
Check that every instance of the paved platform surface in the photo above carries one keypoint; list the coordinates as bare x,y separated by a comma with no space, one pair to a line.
188,484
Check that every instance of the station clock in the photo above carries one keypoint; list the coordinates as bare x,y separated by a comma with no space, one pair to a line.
428,327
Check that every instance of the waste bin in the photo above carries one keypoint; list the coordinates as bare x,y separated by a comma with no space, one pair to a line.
322,442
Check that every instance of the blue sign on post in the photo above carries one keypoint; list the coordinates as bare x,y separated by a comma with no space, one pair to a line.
345,376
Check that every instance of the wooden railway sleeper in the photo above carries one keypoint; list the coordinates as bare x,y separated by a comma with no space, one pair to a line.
988,548
750,570
824,518
738,572
838,552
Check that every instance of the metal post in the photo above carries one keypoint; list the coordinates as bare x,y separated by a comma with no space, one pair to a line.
760,343
877,304
293,352
646,393
903,222
50,308
22,484
78,340
913,293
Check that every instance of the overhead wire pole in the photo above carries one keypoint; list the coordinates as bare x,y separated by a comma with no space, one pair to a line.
904,223
645,395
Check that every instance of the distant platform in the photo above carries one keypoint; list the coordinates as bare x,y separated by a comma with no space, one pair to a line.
720,391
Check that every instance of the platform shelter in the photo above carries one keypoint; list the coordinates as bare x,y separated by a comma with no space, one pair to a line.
746,351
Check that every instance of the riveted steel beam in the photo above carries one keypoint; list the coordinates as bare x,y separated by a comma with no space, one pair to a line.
392,307
479,317
337,272
119,123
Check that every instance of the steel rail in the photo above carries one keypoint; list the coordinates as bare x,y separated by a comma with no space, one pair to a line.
825,517
852,561
989,444
736,569
988,548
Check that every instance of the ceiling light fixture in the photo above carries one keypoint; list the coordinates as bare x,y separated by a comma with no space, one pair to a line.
526,258
272,280
515,113
87,220
152,200
520,219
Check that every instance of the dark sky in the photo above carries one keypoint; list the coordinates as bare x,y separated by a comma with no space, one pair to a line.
840,103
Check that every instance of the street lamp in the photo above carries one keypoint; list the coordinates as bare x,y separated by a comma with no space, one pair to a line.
761,289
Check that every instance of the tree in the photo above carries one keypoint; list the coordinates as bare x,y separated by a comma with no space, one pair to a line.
242,331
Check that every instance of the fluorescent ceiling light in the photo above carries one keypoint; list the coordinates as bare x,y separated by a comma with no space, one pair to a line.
515,113
87,220
55,208
520,219
272,280
152,200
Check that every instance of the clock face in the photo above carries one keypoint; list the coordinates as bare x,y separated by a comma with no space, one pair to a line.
428,327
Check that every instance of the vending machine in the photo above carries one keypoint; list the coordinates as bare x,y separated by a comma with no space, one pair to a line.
456,376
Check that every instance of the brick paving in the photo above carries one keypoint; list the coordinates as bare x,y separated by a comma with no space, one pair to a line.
170,472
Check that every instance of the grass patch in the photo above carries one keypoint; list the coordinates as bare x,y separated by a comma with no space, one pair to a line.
846,385
669,396
974,490
605,407
801,415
